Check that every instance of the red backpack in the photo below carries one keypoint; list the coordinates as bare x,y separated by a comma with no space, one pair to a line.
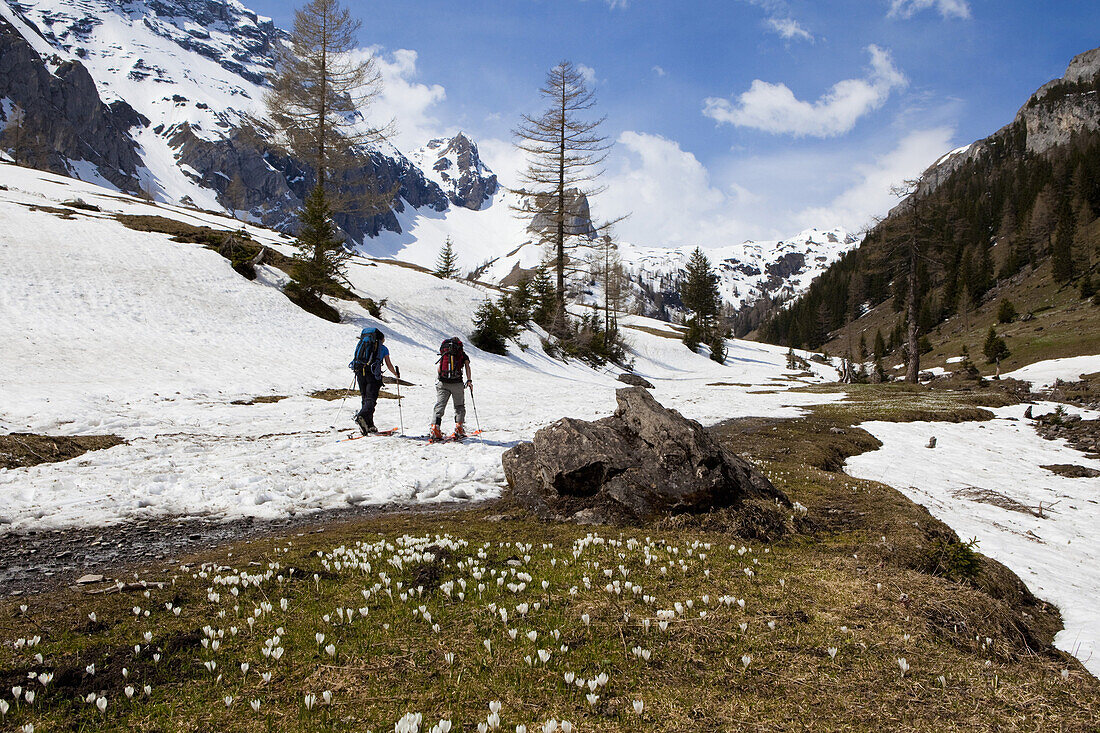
451,360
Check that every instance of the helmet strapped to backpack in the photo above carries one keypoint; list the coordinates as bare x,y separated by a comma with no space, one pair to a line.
367,352
452,358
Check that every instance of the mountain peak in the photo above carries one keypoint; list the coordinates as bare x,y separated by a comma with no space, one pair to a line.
454,163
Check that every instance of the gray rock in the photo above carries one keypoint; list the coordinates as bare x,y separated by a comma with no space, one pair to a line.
634,380
643,462
64,119
90,578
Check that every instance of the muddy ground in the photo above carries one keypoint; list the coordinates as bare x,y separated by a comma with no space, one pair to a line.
41,560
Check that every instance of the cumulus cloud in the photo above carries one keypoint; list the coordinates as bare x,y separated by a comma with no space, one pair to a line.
870,195
946,8
774,108
659,71
408,103
789,29
668,194
588,74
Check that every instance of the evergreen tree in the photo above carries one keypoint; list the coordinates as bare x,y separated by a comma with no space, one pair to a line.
321,256
446,265
491,328
717,346
544,297
880,345
1006,312
995,348
699,294
862,347
1061,256
1086,286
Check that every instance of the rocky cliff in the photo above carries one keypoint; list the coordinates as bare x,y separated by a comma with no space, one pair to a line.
54,118
1050,117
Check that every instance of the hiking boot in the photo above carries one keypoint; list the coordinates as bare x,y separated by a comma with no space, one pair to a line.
459,432
434,433
364,426
371,428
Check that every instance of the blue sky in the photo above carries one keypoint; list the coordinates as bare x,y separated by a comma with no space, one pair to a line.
733,119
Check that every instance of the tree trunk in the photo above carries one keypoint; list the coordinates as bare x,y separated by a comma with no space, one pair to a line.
913,371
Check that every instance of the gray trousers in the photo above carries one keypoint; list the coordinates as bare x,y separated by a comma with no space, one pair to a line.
445,391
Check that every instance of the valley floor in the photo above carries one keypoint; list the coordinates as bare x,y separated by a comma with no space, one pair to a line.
108,331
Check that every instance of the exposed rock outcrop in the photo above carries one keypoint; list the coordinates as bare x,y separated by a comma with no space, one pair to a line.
273,186
61,119
578,219
643,462
1052,115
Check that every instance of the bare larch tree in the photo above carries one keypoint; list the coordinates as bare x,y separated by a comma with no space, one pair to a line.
564,152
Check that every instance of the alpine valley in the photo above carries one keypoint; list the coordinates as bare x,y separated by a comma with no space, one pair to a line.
157,97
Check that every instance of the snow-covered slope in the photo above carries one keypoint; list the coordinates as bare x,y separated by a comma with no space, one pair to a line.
750,270
193,72
154,341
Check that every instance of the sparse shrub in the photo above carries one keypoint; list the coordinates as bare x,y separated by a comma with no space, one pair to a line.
373,307
310,302
1006,312
953,559
924,346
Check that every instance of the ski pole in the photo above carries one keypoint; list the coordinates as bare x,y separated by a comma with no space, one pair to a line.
473,401
400,415
345,398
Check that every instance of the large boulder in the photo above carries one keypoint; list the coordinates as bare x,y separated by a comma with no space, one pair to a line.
643,462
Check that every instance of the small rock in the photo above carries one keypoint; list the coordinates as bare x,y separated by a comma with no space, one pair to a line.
634,380
836,431
89,578
931,442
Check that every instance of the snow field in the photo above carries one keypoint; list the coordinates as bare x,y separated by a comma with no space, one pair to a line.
985,481
107,330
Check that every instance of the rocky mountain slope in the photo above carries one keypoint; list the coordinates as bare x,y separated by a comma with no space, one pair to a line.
165,88
1007,236
156,97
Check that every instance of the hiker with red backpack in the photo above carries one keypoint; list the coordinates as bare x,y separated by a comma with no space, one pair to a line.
370,353
452,362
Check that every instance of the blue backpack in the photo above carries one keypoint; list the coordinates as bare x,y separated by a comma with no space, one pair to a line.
367,353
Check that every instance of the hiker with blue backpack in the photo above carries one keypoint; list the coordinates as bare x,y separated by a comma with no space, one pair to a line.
370,354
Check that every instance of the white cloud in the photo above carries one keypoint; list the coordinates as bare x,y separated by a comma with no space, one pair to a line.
774,108
668,193
588,74
870,195
408,103
659,71
946,8
789,29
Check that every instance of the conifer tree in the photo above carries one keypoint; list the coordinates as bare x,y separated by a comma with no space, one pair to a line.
322,256
446,265
319,89
995,348
699,290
